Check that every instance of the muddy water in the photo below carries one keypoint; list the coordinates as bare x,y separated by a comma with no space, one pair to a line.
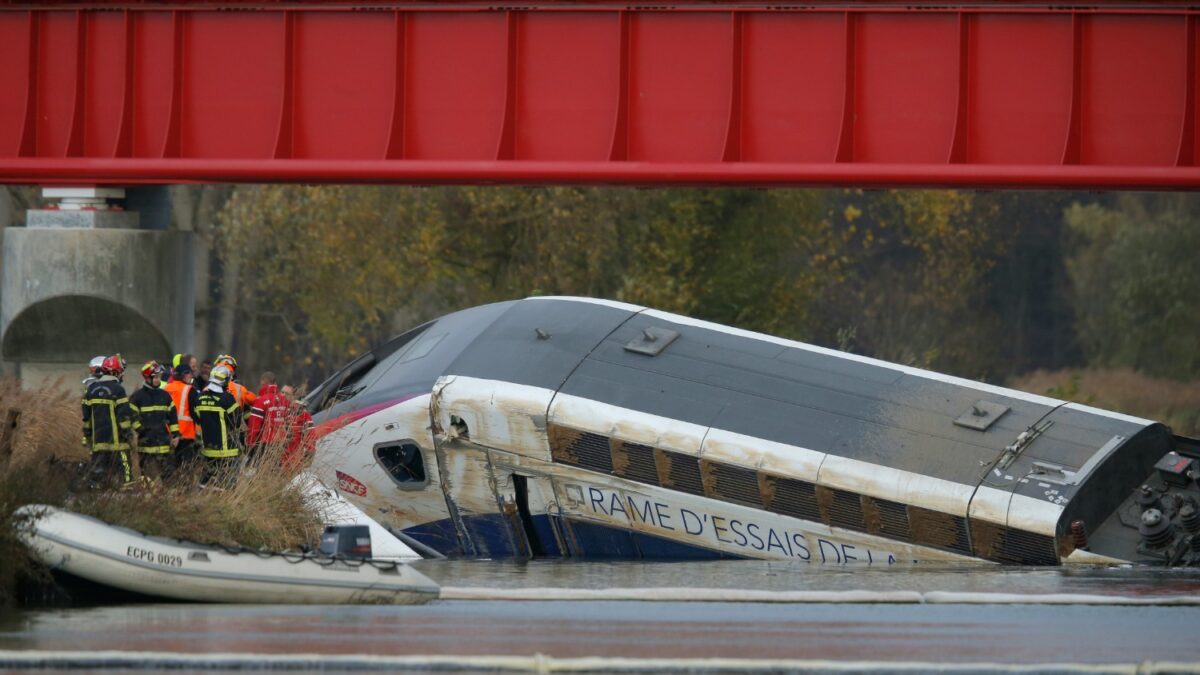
1022,634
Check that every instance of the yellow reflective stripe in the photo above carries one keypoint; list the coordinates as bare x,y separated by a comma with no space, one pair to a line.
173,428
154,408
134,407
125,467
155,450
224,427
107,447
99,401
233,407
123,399
218,453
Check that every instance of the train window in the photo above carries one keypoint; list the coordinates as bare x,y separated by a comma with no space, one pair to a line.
354,376
404,462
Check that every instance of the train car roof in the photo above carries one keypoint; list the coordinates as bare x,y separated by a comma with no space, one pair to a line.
779,390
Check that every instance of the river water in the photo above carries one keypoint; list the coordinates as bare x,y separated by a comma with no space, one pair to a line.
473,634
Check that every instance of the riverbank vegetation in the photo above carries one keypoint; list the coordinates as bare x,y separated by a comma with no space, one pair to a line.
42,460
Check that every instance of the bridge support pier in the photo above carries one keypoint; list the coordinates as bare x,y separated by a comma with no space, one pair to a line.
92,277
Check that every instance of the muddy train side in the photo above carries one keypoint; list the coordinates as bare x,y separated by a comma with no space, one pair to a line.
573,427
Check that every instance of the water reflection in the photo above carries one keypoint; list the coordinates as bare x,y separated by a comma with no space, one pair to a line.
797,576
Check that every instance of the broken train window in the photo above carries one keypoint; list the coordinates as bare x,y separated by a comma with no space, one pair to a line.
404,463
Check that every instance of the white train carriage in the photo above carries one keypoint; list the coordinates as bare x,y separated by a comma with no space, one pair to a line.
572,427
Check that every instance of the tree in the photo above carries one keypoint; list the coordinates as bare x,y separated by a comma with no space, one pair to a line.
917,280
1136,284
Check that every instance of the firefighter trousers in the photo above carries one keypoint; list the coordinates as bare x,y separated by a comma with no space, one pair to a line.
110,466
221,471
157,466
186,457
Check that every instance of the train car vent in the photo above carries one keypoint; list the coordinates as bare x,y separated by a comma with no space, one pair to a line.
1008,545
583,449
634,461
679,472
791,497
845,509
887,518
939,530
981,415
652,341
732,484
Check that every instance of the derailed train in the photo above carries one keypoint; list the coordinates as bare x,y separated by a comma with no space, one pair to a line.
574,427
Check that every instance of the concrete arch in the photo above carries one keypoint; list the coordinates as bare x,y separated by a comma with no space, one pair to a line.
77,327
72,293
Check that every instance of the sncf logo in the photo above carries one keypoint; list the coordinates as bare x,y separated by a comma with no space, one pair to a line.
348,483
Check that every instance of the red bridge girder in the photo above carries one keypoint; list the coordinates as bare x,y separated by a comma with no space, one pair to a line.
865,94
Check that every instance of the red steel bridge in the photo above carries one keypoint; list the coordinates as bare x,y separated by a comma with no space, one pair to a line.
1019,94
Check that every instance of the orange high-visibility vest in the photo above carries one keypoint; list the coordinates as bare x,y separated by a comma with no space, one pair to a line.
241,394
180,393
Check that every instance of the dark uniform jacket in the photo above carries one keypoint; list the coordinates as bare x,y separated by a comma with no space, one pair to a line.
156,411
108,421
219,423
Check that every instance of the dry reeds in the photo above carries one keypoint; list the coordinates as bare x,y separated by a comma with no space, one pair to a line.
256,504
259,506
39,453
1176,404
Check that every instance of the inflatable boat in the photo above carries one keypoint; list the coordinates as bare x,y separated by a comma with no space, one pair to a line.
121,558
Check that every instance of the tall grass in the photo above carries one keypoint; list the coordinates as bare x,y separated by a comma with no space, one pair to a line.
1176,404
35,468
262,508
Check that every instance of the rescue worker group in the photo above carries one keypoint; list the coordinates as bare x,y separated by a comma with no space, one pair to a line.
189,422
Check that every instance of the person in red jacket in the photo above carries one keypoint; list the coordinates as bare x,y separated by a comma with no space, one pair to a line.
275,419
265,382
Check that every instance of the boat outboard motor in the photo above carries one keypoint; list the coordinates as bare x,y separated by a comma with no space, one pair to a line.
346,541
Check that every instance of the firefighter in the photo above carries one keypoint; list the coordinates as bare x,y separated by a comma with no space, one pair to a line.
109,424
159,433
185,397
93,371
220,420
241,393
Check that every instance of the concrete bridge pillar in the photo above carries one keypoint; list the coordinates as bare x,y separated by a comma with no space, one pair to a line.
95,276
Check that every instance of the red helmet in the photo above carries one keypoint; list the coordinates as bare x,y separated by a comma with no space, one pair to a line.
150,370
113,365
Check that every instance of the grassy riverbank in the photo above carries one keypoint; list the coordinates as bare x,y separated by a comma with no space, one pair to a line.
41,464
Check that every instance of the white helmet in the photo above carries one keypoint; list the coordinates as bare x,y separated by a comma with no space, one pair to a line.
220,375
95,364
